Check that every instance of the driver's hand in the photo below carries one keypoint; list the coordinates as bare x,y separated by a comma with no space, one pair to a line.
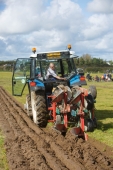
64,79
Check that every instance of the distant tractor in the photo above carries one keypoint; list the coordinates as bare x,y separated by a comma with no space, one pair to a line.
63,102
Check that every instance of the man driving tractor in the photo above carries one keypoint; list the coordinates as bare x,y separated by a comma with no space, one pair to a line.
51,73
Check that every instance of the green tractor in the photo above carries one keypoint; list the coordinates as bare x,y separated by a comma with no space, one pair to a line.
62,102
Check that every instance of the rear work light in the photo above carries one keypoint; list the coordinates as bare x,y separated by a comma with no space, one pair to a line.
82,78
32,83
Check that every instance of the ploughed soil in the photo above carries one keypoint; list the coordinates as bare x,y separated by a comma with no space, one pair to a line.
31,148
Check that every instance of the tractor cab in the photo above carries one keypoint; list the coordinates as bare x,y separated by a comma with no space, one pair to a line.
33,71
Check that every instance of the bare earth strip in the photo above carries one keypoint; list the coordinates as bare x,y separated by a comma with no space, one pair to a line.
31,148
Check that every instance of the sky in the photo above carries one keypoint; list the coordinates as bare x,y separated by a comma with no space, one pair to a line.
51,25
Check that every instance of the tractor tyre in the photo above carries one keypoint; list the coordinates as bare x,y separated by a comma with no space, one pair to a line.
90,125
93,91
29,107
39,108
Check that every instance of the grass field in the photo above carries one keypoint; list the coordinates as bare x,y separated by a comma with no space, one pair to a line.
3,160
103,112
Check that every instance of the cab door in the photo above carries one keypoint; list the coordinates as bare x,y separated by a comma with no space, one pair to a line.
21,74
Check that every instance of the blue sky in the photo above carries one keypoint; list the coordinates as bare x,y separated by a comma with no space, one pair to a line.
52,24
2,5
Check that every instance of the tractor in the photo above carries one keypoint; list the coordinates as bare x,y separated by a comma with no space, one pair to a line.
65,103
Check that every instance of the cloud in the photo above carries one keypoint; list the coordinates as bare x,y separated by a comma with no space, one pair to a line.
20,16
51,25
30,23
25,16
98,26
101,6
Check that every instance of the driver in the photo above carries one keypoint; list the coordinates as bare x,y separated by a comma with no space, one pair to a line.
51,73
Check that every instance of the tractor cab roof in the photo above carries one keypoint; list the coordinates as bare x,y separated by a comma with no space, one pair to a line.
54,55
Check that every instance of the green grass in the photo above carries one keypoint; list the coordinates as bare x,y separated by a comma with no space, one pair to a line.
3,160
104,112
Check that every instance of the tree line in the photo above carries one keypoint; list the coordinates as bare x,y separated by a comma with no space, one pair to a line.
91,64
86,61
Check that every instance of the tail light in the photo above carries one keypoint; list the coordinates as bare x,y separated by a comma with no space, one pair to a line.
82,78
32,83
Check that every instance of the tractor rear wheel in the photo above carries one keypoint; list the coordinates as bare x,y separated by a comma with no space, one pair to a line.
39,108
28,104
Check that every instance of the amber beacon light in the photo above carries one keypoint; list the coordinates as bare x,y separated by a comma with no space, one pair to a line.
69,46
34,50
